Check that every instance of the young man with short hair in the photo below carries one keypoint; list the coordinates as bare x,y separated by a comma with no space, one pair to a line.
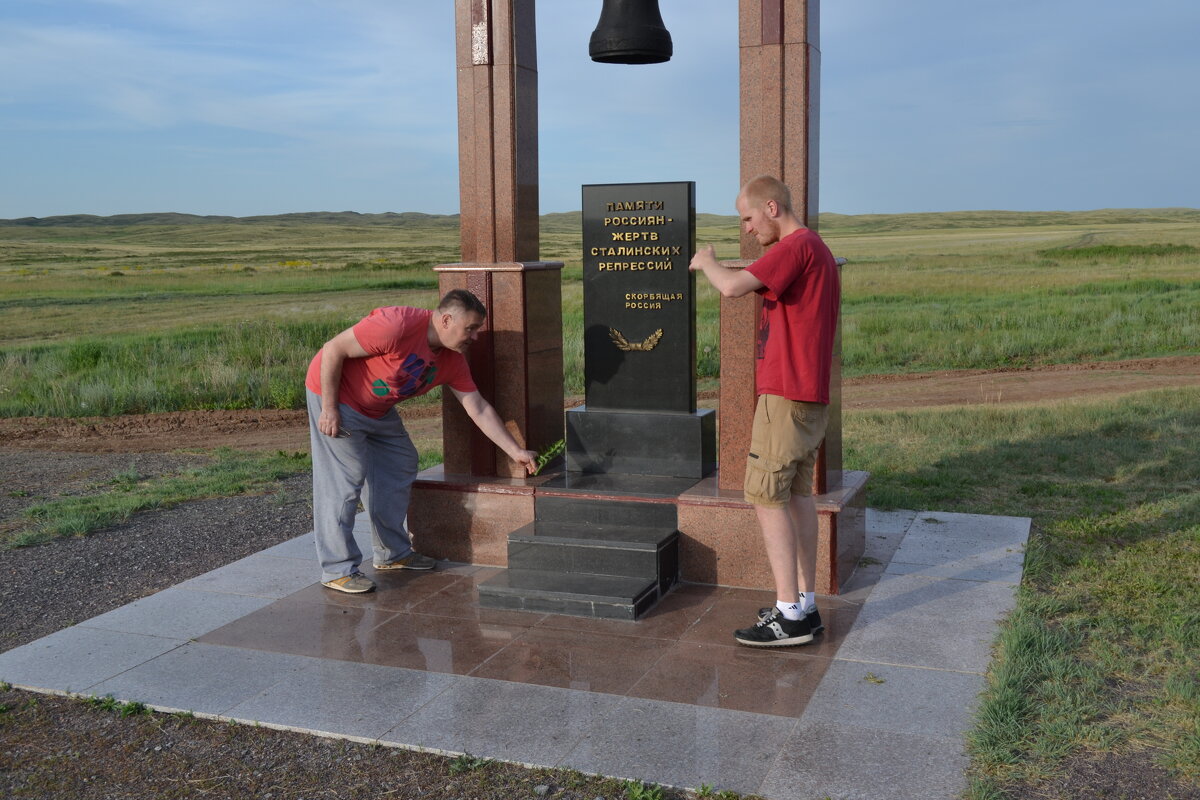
798,279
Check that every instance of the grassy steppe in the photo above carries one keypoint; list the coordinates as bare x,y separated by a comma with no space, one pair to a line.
1100,660
140,314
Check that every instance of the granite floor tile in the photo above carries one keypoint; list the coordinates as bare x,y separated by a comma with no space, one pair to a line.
302,548
894,521
498,719
732,677
860,584
593,662
991,530
884,532
682,745
1000,566
307,629
840,762
436,644
258,576
178,613
362,701
955,550
202,678
77,658
461,600
930,622
906,700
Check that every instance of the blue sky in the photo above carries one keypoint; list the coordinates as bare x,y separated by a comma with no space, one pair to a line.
275,106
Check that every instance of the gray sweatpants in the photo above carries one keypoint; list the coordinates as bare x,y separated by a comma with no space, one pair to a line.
373,458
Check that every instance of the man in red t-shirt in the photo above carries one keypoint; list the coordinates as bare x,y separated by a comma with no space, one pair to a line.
359,445
798,280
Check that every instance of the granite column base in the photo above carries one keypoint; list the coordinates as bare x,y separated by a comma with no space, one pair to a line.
468,519
721,542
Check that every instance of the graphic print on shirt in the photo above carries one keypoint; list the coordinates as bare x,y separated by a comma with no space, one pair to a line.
764,329
413,374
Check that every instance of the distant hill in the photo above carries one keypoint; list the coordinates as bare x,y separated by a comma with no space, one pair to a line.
942,220
402,220
571,221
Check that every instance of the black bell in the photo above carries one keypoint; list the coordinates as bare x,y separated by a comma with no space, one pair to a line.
630,32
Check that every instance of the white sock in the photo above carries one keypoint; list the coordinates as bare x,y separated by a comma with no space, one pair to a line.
807,601
790,611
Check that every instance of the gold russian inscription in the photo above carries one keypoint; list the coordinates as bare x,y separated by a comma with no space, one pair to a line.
634,221
646,250
636,205
634,266
650,301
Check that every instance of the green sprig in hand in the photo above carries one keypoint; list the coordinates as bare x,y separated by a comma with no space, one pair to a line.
549,454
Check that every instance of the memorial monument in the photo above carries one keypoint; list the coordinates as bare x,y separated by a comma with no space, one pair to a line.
639,427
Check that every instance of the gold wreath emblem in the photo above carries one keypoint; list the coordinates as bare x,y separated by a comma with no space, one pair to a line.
622,343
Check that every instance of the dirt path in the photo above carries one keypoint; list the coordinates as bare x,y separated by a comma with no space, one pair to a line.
288,430
1058,382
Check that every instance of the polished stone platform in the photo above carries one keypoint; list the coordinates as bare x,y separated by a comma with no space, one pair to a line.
875,707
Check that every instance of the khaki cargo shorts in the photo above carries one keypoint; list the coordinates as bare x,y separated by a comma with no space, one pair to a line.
783,449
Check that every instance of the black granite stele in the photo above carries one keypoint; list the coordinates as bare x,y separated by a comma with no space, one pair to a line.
605,538
639,298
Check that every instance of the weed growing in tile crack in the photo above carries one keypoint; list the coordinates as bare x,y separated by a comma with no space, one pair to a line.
109,703
134,708
105,703
636,790
467,763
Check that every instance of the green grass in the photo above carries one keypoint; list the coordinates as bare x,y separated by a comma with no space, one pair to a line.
220,313
1102,655
229,473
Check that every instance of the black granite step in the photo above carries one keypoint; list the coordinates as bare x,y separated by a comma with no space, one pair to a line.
596,549
582,595
555,509
616,485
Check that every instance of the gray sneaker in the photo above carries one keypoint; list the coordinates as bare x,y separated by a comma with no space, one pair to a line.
413,560
356,583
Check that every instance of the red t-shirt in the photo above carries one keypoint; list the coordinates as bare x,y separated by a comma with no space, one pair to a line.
401,363
801,298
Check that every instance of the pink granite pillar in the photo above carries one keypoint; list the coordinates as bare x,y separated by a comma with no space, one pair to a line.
497,130
517,359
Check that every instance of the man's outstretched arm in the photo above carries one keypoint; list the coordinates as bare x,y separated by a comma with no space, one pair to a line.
487,420
729,282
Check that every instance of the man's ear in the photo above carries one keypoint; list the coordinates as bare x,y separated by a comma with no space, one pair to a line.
772,208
